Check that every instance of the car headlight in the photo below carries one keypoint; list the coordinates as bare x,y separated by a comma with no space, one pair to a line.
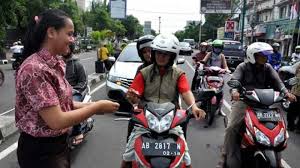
113,78
279,138
261,137
159,125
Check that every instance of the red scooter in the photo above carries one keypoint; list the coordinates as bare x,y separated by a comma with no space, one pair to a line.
158,147
265,135
210,92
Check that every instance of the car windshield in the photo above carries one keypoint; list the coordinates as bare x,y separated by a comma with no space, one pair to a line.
232,46
184,44
129,54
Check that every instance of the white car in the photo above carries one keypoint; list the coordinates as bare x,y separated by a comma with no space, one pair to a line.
185,49
124,69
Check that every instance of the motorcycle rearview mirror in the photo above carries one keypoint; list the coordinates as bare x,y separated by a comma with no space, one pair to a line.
118,95
234,84
180,61
111,59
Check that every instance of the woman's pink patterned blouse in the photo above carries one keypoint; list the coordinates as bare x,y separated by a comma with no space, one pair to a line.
41,83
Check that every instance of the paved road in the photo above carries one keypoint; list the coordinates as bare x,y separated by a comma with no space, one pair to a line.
105,144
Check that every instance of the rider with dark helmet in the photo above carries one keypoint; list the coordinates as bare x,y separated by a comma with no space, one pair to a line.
143,46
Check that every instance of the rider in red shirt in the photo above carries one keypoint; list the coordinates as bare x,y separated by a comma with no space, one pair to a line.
161,82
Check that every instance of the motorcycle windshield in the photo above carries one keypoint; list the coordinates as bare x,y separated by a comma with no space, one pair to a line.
264,97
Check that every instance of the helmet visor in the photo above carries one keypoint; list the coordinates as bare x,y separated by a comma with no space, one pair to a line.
266,53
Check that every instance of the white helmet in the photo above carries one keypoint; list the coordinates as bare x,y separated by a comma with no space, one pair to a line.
258,47
275,45
166,42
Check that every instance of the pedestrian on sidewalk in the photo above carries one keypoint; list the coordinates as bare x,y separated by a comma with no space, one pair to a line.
103,56
44,107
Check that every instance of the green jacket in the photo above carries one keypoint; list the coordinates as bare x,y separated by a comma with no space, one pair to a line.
161,89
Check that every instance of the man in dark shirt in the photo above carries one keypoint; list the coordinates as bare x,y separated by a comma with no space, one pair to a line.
77,78
254,73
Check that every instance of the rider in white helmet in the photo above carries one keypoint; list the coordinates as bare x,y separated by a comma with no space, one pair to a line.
160,82
296,54
254,73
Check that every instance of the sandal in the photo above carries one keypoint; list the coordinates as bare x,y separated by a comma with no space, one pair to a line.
77,139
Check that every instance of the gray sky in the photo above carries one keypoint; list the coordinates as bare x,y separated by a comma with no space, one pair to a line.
174,13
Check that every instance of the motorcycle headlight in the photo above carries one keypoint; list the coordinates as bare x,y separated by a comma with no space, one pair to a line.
113,78
161,125
261,137
279,138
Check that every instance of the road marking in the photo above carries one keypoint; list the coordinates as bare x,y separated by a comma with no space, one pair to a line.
190,65
7,111
228,106
284,164
87,59
8,150
97,88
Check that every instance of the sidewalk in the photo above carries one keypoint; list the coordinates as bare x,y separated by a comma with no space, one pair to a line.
7,123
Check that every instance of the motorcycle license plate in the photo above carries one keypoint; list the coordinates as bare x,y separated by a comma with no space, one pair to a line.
268,116
159,148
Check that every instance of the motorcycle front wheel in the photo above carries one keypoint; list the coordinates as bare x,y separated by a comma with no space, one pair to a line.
210,113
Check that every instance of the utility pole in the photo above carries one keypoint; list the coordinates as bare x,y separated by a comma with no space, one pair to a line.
200,27
243,22
159,24
253,21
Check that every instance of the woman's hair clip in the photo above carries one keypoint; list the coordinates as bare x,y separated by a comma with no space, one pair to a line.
36,18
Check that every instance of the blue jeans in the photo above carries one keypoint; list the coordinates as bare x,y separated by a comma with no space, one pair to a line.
77,129
77,97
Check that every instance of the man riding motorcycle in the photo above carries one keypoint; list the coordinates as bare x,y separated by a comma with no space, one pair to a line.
196,61
160,82
254,73
296,54
275,58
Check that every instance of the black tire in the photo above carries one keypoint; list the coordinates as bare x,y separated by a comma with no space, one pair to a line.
212,113
2,77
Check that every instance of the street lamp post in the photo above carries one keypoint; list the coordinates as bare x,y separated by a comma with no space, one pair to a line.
243,21
159,24
200,28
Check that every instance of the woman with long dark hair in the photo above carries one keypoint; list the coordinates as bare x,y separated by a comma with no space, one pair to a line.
44,107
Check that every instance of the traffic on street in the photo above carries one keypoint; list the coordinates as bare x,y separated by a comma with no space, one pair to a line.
105,144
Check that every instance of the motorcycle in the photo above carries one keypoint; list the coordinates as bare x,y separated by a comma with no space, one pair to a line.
157,147
265,134
285,73
84,127
210,91
2,77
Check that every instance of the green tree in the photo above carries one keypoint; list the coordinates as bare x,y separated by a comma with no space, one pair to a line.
98,17
118,28
133,27
71,8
